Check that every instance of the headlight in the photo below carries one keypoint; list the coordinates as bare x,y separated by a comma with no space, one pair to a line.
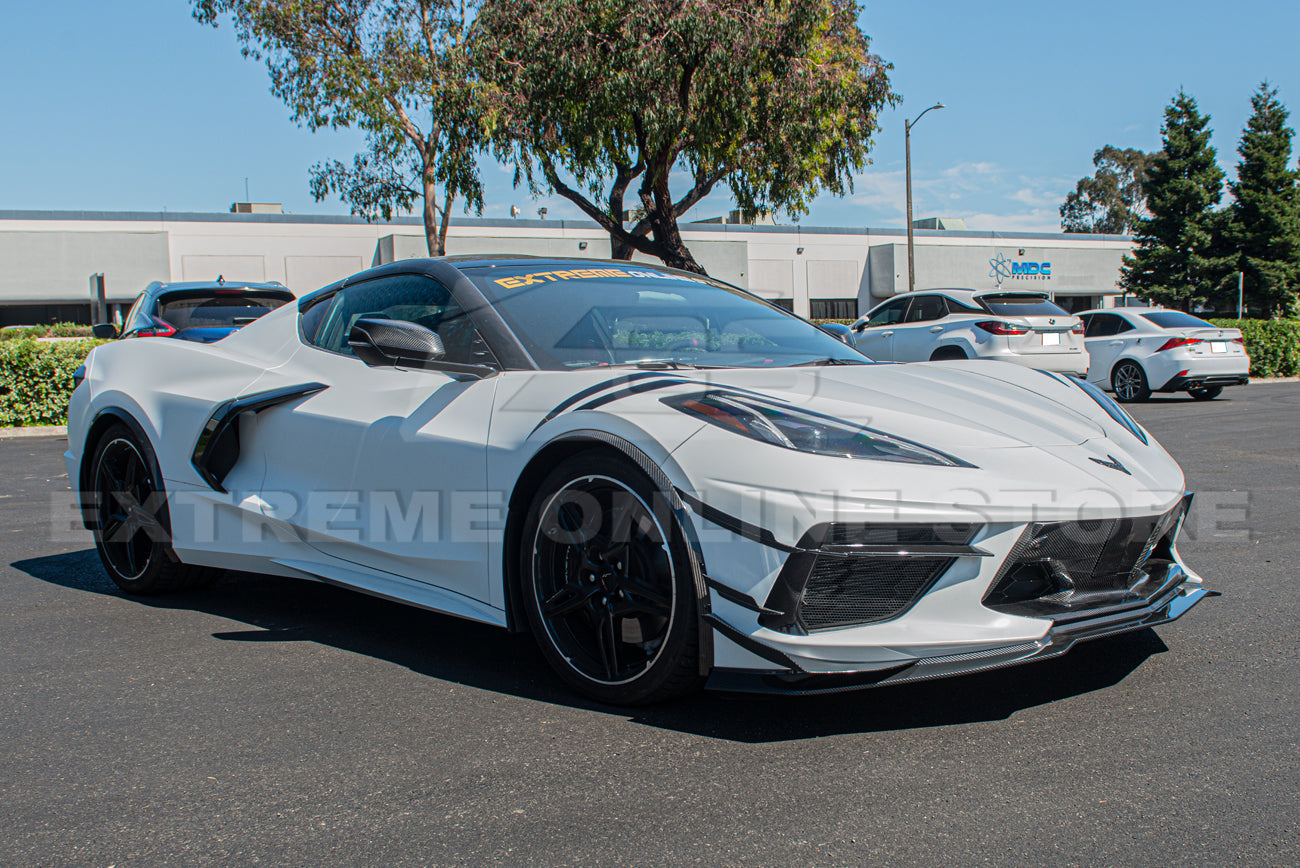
802,431
1115,411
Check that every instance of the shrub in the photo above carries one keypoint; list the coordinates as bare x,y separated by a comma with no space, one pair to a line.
36,380
1273,345
57,330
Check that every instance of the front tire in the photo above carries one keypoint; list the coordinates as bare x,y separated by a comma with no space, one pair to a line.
1209,393
608,583
132,526
1130,383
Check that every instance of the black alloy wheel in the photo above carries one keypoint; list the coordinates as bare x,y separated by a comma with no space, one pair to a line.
1130,382
608,584
131,521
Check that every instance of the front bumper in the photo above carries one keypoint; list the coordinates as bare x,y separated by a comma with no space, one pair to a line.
1005,594
1165,607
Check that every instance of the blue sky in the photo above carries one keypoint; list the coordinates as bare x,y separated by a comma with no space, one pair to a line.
134,106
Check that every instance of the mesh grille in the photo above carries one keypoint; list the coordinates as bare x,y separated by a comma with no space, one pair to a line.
846,591
1078,564
894,534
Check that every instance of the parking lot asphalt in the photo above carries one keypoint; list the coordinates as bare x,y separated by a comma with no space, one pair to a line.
277,722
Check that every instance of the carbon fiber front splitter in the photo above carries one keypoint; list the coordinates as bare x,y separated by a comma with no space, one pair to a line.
1162,609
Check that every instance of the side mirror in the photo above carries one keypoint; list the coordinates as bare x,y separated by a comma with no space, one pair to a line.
105,331
839,331
391,343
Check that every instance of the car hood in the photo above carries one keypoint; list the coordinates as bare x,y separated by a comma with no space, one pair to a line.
951,406
1036,445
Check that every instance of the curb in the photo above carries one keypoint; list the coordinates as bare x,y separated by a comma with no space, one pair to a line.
34,431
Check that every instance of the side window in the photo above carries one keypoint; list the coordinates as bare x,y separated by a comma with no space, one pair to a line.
926,308
1122,325
955,306
311,319
1100,325
888,315
136,317
413,298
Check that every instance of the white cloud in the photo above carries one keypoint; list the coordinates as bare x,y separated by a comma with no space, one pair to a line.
1037,220
986,195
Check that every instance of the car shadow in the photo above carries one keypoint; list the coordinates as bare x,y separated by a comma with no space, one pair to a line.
291,610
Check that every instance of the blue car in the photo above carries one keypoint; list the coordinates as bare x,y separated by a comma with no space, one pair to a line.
199,311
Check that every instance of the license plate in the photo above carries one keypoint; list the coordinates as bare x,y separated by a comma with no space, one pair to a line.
1051,339
1218,346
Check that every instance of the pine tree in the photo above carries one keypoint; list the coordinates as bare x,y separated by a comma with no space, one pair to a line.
1265,228
1178,258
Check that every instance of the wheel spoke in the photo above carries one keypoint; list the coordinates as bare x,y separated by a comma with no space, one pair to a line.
114,482
148,522
608,642
567,600
128,547
132,475
111,527
614,552
644,598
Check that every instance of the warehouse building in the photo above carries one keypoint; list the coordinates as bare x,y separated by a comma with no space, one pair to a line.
49,259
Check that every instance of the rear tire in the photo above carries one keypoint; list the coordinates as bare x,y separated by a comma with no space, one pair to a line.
132,526
1209,393
608,584
948,354
1130,383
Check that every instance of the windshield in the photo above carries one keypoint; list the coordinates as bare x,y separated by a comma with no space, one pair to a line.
1020,305
217,309
594,315
1176,319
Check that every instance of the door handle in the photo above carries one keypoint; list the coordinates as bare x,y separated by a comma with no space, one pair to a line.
1116,343
936,328
886,334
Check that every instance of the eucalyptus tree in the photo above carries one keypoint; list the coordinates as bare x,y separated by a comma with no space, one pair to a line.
397,69
661,101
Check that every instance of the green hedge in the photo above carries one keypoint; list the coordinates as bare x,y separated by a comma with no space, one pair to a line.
56,330
36,380
1273,345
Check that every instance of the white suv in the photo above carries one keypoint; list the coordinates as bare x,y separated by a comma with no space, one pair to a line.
937,324
1137,351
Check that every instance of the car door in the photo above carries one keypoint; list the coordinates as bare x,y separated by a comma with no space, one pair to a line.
915,337
1102,339
876,338
385,467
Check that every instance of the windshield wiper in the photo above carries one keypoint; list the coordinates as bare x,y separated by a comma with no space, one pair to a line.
829,360
662,365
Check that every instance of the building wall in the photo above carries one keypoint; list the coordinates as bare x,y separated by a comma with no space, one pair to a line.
48,257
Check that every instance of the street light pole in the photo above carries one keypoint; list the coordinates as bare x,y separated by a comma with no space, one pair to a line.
907,141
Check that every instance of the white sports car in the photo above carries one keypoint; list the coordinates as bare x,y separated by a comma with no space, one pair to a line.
667,480
1136,351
